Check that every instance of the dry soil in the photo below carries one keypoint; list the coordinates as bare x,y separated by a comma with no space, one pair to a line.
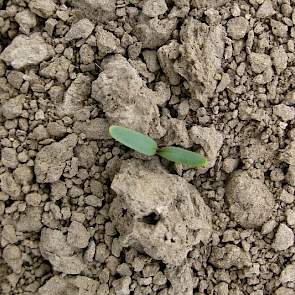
82,215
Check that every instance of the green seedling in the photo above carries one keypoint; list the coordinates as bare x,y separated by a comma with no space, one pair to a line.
147,146
134,140
182,156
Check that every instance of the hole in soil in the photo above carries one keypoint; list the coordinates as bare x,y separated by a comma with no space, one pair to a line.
162,266
152,218
124,212
117,276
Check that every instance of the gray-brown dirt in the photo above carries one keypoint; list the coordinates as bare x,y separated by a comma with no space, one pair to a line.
81,214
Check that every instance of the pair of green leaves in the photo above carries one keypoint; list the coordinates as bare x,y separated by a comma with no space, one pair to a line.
147,146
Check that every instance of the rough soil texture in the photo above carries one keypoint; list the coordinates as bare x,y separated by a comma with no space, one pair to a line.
81,214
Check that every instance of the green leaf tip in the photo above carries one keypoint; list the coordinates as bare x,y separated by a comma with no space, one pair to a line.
134,140
182,156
